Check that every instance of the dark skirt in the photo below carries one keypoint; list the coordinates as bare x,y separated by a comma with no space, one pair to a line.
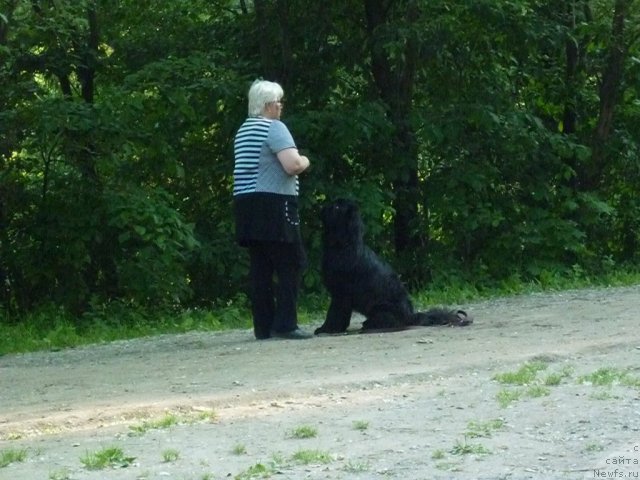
266,217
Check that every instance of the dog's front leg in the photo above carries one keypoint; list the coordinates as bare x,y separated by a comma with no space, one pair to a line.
338,316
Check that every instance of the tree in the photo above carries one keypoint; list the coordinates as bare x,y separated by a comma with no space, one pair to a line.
470,132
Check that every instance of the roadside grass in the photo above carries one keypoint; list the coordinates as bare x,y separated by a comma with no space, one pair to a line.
303,432
278,462
170,420
356,467
604,395
62,474
506,397
478,429
525,375
466,448
475,430
239,449
308,457
605,378
52,328
165,422
262,470
170,455
360,425
12,455
109,457
527,382
438,454
593,447
555,379
610,376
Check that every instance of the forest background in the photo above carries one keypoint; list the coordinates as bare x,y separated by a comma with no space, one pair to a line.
487,142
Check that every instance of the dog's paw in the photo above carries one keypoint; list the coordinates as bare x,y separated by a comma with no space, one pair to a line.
326,331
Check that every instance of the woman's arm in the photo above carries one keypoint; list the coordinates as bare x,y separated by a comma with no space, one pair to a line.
292,162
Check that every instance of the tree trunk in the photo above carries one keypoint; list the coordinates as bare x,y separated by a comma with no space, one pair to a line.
87,69
572,55
394,80
610,93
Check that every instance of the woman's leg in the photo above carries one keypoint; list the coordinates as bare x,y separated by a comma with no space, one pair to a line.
289,261
261,289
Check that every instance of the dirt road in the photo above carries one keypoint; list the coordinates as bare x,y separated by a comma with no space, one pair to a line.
420,404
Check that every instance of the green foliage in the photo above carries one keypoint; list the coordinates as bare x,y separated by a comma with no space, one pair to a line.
116,153
153,245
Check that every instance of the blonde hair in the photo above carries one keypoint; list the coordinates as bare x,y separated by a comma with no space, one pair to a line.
261,93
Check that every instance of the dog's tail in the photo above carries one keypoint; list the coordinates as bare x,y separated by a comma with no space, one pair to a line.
440,316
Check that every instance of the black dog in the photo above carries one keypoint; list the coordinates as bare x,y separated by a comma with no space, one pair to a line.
358,280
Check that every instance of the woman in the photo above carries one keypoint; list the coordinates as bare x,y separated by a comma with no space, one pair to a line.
265,194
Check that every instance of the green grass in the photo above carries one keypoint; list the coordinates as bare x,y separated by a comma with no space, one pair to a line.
52,328
110,457
527,382
239,449
554,379
356,467
593,447
60,475
170,420
303,432
506,397
452,290
258,470
525,375
536,391
170,455
484,429
609,376
438,454
360,425
165,422
603,395
465,448
12,455
307,457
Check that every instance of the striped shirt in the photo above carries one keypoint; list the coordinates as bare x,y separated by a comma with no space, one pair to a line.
257,168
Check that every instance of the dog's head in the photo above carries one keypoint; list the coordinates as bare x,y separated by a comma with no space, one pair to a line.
342,224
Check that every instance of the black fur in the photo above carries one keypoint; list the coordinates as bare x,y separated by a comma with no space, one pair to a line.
358,280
